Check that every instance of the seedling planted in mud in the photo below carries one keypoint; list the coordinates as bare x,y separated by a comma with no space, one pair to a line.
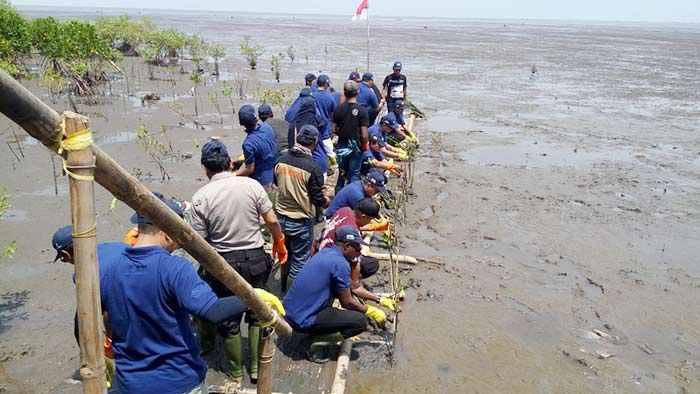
8,250
214,98
276,67
251,52
197,79
157,150
228,92
291,53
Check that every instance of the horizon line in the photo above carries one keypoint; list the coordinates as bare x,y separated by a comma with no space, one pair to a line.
637,21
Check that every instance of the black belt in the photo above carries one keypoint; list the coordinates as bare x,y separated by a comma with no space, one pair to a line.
244,254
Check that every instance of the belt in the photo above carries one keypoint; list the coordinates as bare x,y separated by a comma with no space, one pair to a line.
244,254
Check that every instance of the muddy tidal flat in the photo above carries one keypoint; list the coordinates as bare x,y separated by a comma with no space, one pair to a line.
563,203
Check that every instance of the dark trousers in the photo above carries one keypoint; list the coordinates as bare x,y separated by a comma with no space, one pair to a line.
330,320
254,265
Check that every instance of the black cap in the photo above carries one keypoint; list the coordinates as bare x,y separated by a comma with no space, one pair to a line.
264,110
354,75
369,207
309,77
367,77
137,218
62,240
323,80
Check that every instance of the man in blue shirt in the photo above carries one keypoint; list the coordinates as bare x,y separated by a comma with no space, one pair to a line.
148,295
396,116
325,104
303,112
324,276
386,126
367,98
259,148
353,193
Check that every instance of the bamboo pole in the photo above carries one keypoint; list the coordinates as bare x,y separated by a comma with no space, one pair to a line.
342,369
43,123
87,282
267,352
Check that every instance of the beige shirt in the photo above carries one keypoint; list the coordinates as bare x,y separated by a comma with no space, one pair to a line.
226,212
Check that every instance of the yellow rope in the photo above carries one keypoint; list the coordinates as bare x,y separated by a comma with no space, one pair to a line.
87,233
76,141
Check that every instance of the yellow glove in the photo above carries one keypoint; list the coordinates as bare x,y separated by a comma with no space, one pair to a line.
403,156
273,301
279,250
387,303
375,314
332,160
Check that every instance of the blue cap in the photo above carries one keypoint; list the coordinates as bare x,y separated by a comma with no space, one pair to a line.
62,240
137,218
397,65
214,149
305,91
375,138
307,135
246,116
354,75
389,121
399,104
349,234
264,110
323,79
367,77
377,178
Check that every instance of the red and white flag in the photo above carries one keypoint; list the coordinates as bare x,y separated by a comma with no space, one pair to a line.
361,11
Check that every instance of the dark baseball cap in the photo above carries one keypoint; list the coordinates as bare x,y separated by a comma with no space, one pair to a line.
389,121
214,149
246,116
397,65
377,178
375,138
323,79
62,240
309,77
349,234
354,75
367,77
307,135
399,104
137,218
369,207
264,110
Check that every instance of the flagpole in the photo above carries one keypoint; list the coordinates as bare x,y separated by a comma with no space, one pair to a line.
367,35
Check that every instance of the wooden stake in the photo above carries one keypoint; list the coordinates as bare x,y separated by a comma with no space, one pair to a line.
266,353
43,123
342,369
87,283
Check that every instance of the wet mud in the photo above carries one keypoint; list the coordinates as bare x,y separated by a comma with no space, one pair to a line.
563,203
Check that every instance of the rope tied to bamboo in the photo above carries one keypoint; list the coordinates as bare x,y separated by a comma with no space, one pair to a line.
79,140
91,232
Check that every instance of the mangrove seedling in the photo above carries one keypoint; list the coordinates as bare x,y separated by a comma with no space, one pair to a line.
251,52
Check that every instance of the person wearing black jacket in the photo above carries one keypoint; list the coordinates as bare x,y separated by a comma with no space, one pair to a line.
299,180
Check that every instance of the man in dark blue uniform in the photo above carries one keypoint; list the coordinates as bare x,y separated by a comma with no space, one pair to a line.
259,148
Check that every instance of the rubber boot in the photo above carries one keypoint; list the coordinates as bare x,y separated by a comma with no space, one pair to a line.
319,350
207,336
233,349
253,343
284,277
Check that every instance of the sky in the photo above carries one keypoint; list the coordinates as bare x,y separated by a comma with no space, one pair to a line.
604,10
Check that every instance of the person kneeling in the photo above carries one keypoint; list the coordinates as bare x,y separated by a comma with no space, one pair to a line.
326,275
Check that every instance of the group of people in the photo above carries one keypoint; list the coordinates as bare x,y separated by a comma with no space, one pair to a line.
148,294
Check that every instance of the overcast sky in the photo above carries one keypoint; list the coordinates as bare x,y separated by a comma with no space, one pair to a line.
608,10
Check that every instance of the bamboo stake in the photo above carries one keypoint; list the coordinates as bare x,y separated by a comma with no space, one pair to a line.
342,369
82,199
43,123
267,352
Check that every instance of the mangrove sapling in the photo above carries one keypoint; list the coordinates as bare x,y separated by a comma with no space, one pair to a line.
217,53
277,97
155,149
276,67
228,92
251,51
6,251
291,53
196,79
214,98
171,77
